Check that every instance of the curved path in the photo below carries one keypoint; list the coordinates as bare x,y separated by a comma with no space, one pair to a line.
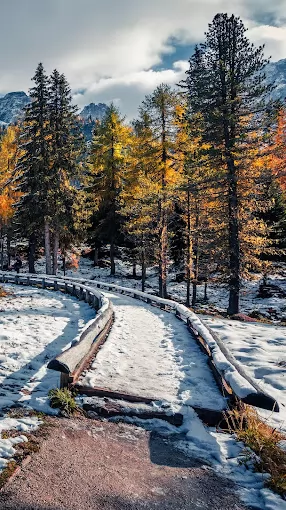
150,353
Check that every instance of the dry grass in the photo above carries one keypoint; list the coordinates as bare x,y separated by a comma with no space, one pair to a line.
264,441
4,292
7,472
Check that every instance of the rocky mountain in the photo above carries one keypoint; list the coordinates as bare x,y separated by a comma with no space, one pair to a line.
13,103
11,106
94,111
276,74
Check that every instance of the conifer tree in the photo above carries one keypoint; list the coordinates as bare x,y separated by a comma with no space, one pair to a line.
33,168
225,83
160,107
9,154
66,146
109,159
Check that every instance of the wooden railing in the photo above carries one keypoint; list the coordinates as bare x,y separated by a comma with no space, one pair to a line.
71,363
230,376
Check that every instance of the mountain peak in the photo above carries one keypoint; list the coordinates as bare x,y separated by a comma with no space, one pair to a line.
12,105
95,111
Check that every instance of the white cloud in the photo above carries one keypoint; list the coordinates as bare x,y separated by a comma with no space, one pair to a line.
127,91
108,46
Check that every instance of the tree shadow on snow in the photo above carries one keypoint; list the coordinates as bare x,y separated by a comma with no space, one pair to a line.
11,385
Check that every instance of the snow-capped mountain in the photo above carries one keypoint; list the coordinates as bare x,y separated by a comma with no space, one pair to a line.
12,105
276,74
94,111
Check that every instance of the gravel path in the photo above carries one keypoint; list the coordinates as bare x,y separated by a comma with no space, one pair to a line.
90,465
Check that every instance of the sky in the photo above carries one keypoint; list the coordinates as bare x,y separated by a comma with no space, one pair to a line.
120,50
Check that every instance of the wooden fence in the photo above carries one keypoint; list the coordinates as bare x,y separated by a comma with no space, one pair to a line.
71,362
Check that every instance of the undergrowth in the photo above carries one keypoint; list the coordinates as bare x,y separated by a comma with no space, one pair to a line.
264,441
7,472
63,399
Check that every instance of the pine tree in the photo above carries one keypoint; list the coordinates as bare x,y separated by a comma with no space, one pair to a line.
66,147
109,160
33,168
225,84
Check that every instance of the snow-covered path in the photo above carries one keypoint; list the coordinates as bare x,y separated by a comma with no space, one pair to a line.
35,325
150,353
261,348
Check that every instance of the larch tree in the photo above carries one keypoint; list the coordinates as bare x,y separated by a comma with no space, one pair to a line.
161,110
9,155
139,195
109,160
225,84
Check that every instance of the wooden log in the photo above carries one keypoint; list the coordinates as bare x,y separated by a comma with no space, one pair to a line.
104,392
109,408
73,359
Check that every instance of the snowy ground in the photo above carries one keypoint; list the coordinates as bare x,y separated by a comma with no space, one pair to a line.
35,325
217,292
261,348
151,353
221,451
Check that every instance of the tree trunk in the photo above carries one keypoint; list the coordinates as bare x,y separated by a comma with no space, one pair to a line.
2,250
189,249
8,248
55,252
163,254
206,292
48,248
134,274
143,270
95,258
32,253
196,255
112,257
234,246
64,265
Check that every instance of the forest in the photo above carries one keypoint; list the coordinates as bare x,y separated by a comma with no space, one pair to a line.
196,182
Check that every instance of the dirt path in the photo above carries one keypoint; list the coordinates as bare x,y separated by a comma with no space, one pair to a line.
90,465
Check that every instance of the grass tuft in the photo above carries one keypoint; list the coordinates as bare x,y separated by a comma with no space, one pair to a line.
63,399
264,441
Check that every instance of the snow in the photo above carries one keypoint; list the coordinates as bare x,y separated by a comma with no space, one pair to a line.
35,325
219,451
7,450
261,349
151,353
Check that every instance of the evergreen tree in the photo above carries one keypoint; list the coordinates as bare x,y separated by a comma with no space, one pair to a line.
66,146
225,84
33,168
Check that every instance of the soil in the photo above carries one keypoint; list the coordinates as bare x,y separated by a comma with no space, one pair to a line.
87,464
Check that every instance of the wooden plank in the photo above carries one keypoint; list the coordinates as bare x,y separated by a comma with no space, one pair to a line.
109,408
104,392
